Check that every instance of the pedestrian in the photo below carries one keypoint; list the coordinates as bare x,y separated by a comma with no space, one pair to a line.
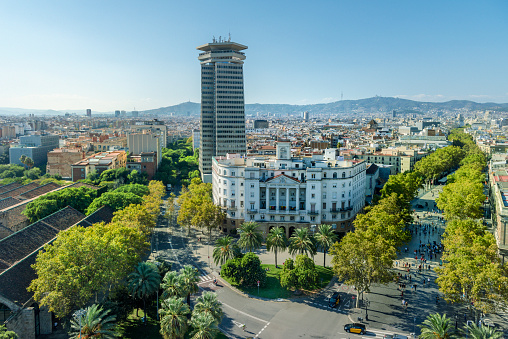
428,280
403,302
423,281
415,287
410,278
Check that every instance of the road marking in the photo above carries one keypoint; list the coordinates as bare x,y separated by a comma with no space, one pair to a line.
237,310
257,335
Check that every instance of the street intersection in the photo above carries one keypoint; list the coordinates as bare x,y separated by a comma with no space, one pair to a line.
381,310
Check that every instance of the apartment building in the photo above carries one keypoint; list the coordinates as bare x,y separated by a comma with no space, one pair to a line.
98,162
60,161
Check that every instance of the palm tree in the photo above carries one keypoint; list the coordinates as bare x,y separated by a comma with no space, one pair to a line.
144,282
325,239
276,241
95,323
482,332
189,281
225,248
205,326
172,285
302,242
436,326
173,314
250,237
208,303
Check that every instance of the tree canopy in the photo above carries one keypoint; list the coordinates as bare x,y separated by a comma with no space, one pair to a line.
115,200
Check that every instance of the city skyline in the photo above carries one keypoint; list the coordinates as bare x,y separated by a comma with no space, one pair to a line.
126,55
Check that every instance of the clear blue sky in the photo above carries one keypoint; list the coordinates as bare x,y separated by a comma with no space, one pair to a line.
109,55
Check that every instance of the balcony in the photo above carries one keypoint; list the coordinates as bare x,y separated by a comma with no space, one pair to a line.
252,211
313,212
338,210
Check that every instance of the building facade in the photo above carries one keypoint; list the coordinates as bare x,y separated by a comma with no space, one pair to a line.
222,102
61,159
98,162
288,192
36,147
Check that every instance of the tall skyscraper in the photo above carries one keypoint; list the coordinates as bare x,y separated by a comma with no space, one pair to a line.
89,112
222,102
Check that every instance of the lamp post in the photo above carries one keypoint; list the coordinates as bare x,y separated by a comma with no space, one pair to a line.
414,325
78,314
366,314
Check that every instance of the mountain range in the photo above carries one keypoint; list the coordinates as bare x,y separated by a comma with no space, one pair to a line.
375,104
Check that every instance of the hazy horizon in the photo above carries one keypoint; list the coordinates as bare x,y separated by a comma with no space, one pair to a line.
126,55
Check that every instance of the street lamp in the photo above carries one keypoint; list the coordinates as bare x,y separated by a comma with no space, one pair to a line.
79,314
414,325
366,314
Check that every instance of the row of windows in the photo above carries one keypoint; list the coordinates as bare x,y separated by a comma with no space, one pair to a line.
230,92
229,82
231,107
221,71
229,77
230,87
238,97
223,66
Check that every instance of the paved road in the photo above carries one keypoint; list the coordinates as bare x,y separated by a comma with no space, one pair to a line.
309,317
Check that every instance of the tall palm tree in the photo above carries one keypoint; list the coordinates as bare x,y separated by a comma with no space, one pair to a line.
302,242
325,239
437,326
95,323
225,248
189,281
205,326
208,303
144,282
276,241
482,332
172,285
250,237
173,314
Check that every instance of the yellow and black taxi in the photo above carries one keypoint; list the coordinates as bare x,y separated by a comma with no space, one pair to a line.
355,328
334,300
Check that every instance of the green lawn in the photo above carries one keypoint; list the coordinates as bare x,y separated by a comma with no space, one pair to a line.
273,289
133,328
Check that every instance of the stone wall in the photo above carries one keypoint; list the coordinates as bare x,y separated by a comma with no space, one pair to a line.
23,323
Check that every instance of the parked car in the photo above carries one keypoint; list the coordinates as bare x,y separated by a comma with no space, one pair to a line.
419,206
355,328
394,336
334,300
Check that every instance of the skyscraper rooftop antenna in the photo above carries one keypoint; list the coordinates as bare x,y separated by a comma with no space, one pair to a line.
229,36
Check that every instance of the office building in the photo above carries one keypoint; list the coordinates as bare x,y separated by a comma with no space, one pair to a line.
155,127
306,116
288,192
117,114
259,124
36,147
222,102
89,112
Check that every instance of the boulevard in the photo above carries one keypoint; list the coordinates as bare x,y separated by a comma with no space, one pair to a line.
381,310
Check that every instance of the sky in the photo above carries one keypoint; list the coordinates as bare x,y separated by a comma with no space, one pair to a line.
125,55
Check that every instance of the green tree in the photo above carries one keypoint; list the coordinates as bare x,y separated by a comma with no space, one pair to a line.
173,315
225,248
144,282
189,280
325,239
115,200
95,323
209,216
83,262
251,270
302,275
436,326
204,326
190,200
78,198
363,258
137,189
472,270
172,285
4,334
208,303
250,237
482,332
461,200
276,241
302,242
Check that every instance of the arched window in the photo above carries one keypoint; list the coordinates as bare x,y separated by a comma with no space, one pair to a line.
335,175
5,313
343,174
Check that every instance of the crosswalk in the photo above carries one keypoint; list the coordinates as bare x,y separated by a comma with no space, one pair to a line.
381,334
205,278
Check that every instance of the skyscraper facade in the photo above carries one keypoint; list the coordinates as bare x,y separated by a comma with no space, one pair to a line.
222,102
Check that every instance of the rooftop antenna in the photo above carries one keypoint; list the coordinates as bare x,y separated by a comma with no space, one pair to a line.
341,95
213,40
229,39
